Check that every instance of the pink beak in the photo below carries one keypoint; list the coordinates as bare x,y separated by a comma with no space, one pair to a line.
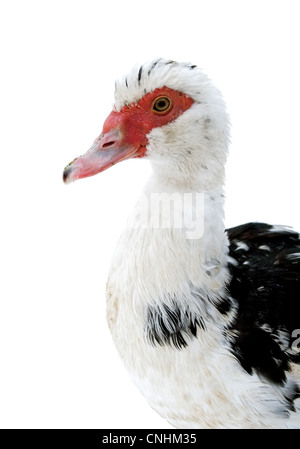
119,141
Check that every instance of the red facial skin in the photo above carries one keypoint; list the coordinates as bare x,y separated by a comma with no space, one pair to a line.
125,133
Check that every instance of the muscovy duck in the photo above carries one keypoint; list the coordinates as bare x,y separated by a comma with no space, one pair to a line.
206,320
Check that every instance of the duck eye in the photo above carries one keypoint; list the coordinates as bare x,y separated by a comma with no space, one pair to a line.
161,105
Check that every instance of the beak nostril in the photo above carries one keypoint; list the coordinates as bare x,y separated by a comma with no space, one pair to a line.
107,144
109,139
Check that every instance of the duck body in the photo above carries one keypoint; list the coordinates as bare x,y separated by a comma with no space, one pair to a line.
181,334
204,319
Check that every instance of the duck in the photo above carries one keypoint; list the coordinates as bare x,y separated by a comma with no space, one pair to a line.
206,319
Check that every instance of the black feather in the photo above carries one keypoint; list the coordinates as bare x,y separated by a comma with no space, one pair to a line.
153,66
171,325
266,285
140,74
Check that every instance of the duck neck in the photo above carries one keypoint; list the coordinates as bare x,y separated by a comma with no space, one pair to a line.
191,220
199,210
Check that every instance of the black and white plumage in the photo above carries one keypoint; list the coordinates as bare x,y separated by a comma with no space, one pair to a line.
265,268
205,320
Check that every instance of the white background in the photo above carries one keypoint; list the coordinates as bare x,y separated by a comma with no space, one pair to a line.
59,60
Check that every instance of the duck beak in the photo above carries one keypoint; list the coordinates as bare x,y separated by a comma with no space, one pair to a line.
119,141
